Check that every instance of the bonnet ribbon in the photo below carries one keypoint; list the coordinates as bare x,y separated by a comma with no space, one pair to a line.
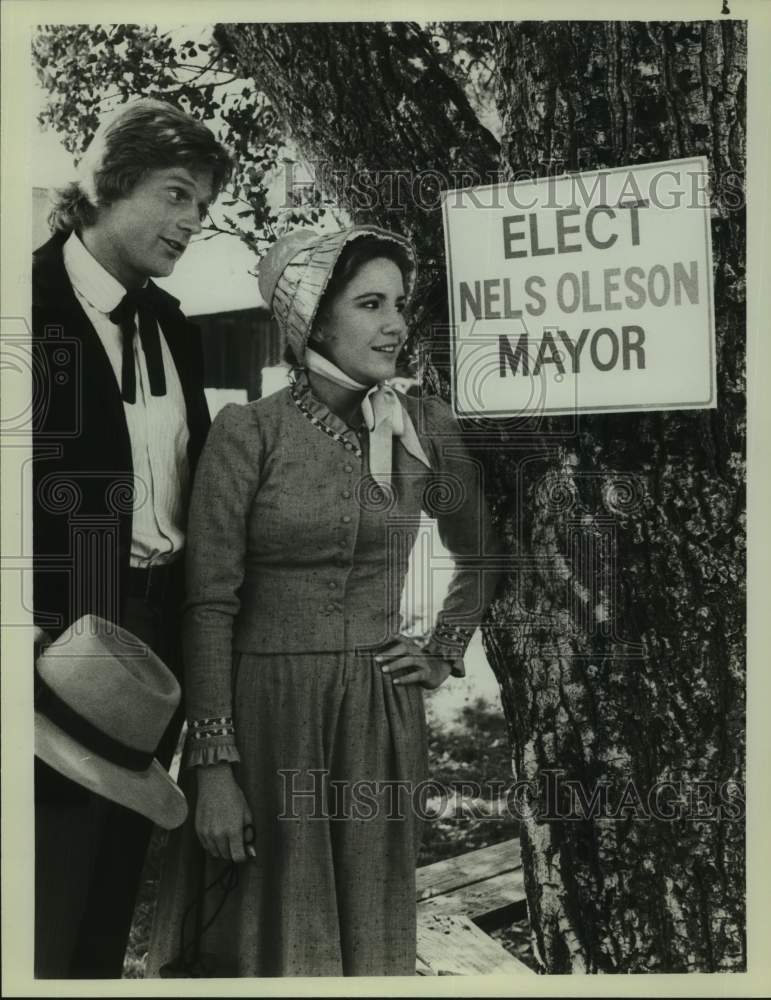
384,416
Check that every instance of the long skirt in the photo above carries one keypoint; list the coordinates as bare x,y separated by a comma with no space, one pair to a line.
333,756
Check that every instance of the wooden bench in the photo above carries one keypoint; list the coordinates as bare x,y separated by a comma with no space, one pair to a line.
459,897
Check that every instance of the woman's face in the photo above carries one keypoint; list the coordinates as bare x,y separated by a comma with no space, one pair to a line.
363,327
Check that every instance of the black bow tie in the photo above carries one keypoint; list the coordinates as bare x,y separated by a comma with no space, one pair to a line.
138,303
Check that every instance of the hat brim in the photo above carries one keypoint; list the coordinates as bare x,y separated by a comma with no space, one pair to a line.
151,793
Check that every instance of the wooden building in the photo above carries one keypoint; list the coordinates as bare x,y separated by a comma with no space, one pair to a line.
237,345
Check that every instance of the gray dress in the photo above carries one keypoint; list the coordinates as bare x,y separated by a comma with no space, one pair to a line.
296,562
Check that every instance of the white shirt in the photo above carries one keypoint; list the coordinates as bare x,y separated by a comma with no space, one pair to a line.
157,425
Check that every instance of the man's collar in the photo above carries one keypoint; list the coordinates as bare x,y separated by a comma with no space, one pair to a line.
89,277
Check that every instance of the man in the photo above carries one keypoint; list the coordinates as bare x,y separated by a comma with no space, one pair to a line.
119,420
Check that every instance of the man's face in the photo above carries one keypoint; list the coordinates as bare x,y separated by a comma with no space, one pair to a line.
144,234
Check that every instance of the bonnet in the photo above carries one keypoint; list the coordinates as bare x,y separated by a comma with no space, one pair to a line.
295,272
293,277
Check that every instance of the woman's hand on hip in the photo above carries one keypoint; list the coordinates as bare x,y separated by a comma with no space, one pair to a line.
222,814
407,663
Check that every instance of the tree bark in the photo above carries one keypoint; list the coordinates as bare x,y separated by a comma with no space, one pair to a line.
380,113
620,643
618,639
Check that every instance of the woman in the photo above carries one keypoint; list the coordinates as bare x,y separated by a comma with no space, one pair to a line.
307,731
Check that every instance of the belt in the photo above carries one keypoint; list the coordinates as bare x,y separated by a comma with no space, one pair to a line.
155,582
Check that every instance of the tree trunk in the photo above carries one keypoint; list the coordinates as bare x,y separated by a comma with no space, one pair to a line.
620,643
619,639
381,115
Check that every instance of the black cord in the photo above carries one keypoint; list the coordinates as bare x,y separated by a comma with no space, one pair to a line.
188,962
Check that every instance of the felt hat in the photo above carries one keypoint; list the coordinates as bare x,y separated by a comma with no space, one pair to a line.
103,701
295,272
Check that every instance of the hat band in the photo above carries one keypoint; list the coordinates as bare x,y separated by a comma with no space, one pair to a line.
85,732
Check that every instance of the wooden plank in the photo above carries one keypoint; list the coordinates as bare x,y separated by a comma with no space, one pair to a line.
421,969
479,898
454,946
454,873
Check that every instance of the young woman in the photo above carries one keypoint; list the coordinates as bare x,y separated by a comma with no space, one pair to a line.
307,733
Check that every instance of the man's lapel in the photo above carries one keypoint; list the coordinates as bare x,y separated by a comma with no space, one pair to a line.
55,307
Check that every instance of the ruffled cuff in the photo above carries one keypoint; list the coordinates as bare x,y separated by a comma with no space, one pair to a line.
211,741
202,756
450,643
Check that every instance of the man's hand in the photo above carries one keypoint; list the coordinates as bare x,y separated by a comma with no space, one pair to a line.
407,663
222,814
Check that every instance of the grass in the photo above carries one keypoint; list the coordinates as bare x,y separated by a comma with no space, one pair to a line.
474,749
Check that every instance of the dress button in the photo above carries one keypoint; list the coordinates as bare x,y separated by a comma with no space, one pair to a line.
346,494
330,607
346,518
348,446
332,585
347,468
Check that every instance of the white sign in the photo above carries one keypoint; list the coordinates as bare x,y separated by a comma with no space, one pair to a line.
588,292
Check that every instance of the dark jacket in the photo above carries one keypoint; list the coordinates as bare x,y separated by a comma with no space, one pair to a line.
82,468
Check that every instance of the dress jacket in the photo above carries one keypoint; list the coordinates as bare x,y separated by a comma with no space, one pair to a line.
293,547
82,467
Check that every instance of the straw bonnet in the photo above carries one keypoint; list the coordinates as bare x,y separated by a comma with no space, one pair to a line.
103,702
295,272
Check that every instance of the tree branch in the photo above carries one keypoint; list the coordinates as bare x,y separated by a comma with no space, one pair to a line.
203,69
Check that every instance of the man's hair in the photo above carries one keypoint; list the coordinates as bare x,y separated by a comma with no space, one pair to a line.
140,136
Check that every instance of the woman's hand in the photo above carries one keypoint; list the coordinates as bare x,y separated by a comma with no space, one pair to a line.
412,665
222,814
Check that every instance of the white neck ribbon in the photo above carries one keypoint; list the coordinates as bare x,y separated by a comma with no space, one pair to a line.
384,417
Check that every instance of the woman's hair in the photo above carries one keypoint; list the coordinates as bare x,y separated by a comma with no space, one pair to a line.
353,257
141,136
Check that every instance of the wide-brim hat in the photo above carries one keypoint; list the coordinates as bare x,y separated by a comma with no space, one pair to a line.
102,704
295,272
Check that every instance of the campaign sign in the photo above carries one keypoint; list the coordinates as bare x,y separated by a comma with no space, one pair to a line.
588,292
